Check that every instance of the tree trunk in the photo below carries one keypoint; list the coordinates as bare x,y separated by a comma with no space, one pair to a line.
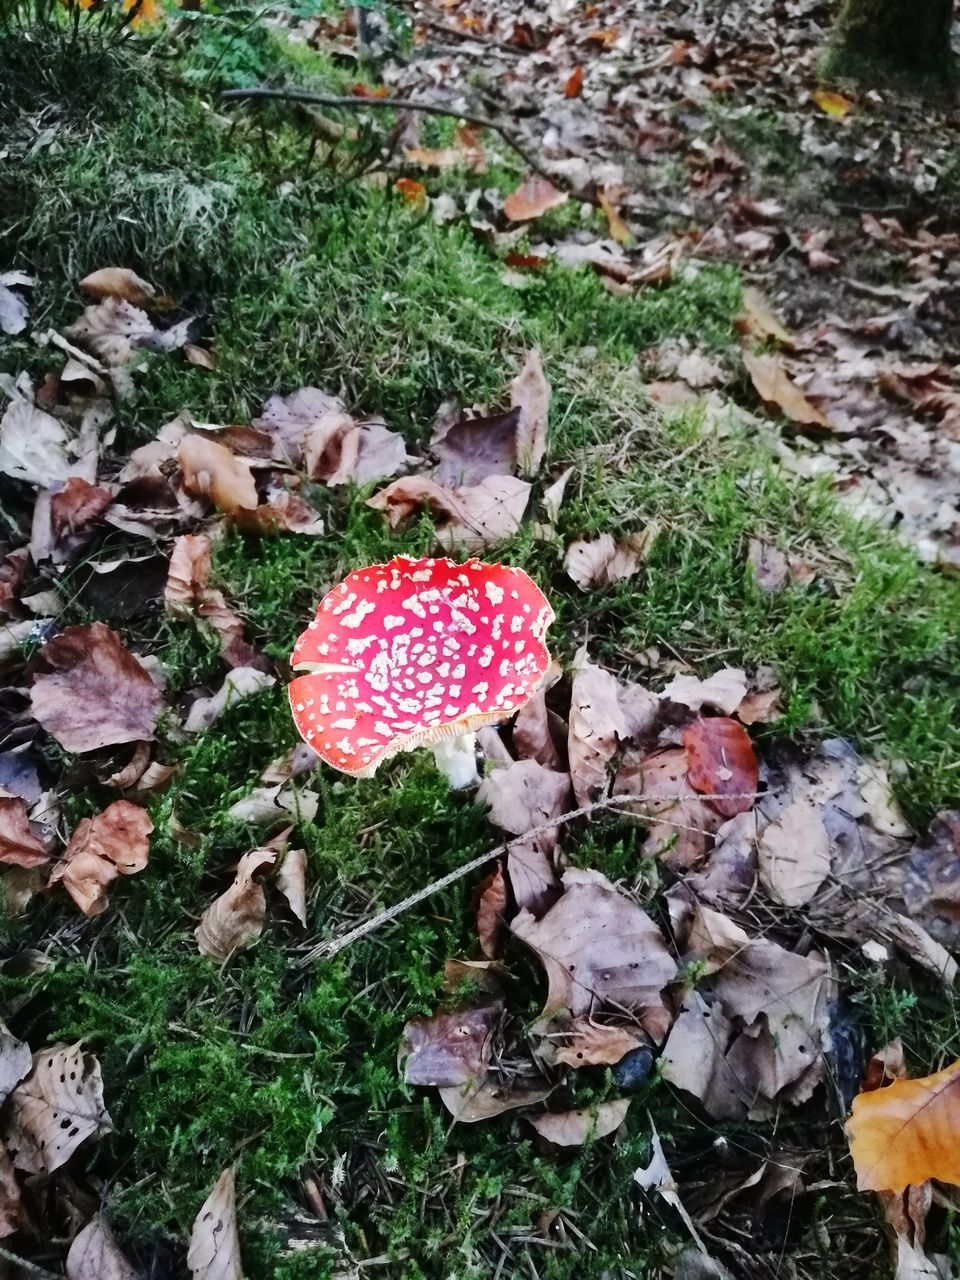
876,40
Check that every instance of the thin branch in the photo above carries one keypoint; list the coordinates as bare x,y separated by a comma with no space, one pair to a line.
395,104
31,1267
333,946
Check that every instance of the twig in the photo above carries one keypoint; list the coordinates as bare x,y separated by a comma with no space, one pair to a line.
333,946
31,1267
395,104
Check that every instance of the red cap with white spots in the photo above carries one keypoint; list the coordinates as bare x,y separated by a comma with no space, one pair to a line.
403,654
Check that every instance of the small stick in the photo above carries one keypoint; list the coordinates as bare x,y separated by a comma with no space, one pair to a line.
396,104
41,1272
333,946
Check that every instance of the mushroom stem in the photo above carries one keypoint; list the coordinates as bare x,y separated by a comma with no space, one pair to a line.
456,759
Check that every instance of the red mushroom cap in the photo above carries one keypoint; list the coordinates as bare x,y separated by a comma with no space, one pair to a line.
403,654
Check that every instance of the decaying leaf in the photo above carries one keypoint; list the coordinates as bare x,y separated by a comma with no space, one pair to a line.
187,594
724,690
118,282
449,1049
532,199
932,881
19,847
907,1132
214,1252
681,824
58,1106
584,1043
13,305
210,470
832,104
769,566
775,387
114,843
338,449
574,1128
470,517
269,806
721,761
74,513
16,1062
472,449
491,909
292,882
242,682
521,796
234,921
469,1104
602,560
599,948
92,691
95,1255
33,445
596,723
794,853
530,393
112,330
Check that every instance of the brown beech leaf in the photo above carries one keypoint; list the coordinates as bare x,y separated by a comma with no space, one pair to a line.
907,1132
118,282
932,881
282,512
234,921
242,682
532,199
112,330
724,690
602,560
95,1255
33,445
583,1043
16,1062
596,723
530,393
287,419
470,517
523,795
58,1106
794,853
211,471
573,83
491,912
599,948
619,230
186,595
470,1103
681,824
93,692
769,566
13,566
339,450
292,882
471,449
574,1128
533,733
214,1252
19,847
449,1049
775,387
74,513
721,761
114,843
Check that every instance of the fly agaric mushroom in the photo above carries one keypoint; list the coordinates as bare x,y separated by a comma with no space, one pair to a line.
418,653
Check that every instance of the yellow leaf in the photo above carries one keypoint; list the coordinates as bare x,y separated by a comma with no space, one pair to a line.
907,1132
618,228
834,104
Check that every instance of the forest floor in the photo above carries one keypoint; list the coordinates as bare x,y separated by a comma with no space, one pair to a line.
745,302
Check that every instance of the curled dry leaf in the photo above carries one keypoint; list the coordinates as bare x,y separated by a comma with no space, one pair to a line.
234,921
469,517
58,1106
287,419
449,1049
33,445
268,806
775,387
292,882
114,843
469,1104
599,948
907,1132
339,450
242,682
521,796
619,230
74,513
95,1255
118,282
596,722
532,199
19,847
112,330
794,853
491,912
212,471
530,393
584,1043
574,1128
16,1062
92,691
214,1252
187,594
592,564
724,690
721,761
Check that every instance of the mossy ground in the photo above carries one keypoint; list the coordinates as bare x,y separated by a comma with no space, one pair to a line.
312,279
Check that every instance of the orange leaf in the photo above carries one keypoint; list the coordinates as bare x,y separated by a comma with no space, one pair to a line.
525,261
605,37
414,193
364,91
775,386
618,228
907,1132
834,104
575,83
721,761
532,199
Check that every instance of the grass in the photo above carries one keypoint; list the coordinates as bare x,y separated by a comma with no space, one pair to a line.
308,278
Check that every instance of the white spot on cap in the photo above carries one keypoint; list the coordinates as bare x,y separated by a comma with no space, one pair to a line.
493,593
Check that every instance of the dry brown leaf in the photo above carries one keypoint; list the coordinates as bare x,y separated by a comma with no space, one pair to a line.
188,574
119,282
530,393
58,1106
214,1252
10,1197
268,806
596,723
721,762
287,419
200,357
775,387
592,564
19,847
16,1062
533,737
769,566
469,1104
292,882
907,1132
33,445
694,1059
521,796
471,449
95,1255
532,199
756,320
491,912
211,471
339,450
92,692
485,975
724,691
657,1177
242,682
471,517
832,104
234,921
932,880
74,514
599,948
449,1049
592,1044
619,230
13,306
112,330
794,853
113,843
681,824
574,1128
760,707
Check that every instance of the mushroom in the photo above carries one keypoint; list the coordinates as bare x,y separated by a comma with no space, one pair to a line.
418,653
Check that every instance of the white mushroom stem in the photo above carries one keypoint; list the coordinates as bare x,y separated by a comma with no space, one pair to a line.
456,759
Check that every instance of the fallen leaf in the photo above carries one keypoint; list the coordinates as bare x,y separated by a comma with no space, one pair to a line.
721,761
532,199
337,449
521,796
681,824
200,357
601,561
186,595
469,518
119,282
491,912
56,1108
596,724
832,104
591,1044
724,690
112,330
449,1049
74,514
242,682
470,1104
10,1195
756,320
33,445
574,83
19,847
794,853
599,948
292,882
266,806
234,921
574,1128
775,387
13,306
214,1252
907,1132
113,843
16,1062
530,393
657,1177
932,880
472,449
92,692
211,471
769,566
619,230
414,193
287,419
95,1255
